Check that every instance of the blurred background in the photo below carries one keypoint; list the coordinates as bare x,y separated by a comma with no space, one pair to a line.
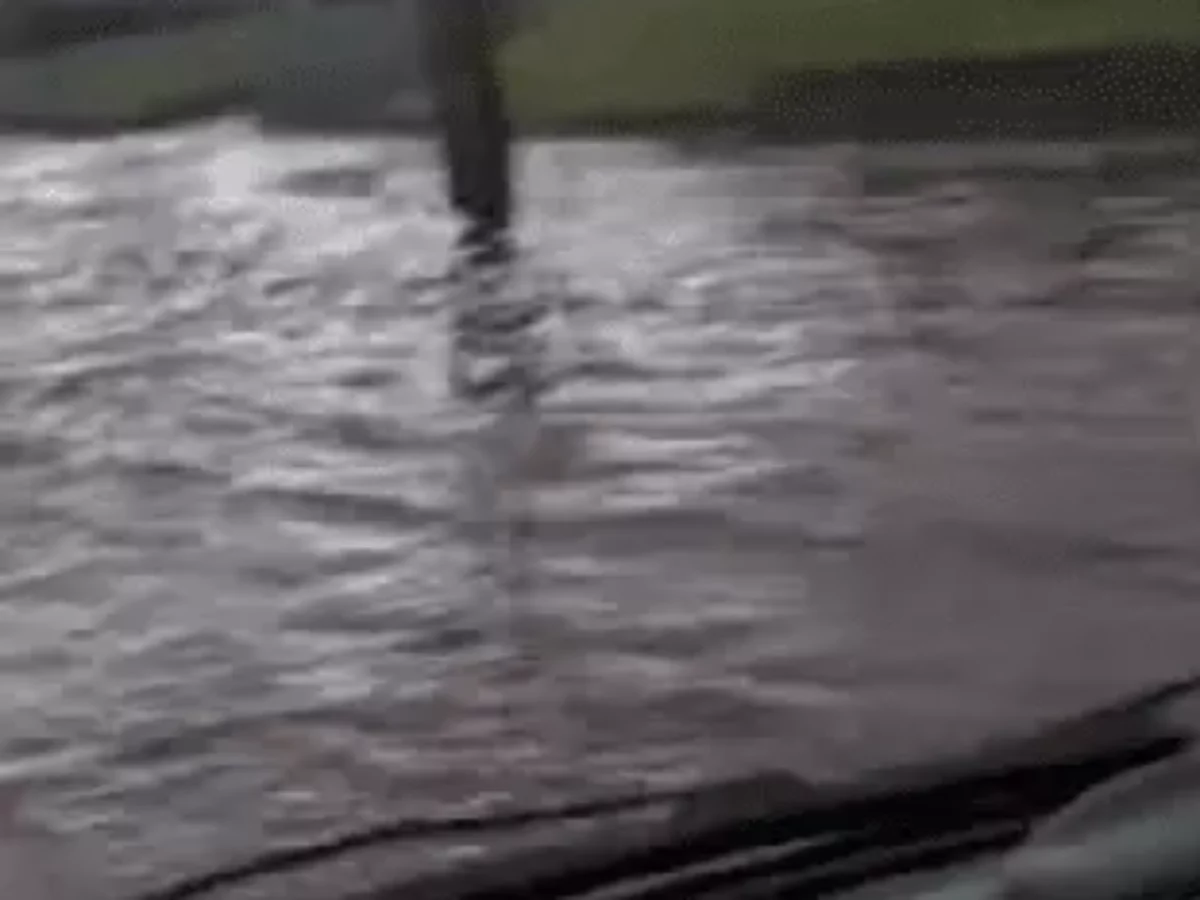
885,438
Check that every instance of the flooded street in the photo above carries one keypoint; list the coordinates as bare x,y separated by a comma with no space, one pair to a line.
863,465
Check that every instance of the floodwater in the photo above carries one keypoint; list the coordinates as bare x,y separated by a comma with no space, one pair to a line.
862,458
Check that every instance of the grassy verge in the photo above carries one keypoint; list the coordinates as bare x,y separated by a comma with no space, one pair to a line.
618,61
608,59
133,79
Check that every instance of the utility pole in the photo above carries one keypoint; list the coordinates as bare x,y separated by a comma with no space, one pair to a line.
459,40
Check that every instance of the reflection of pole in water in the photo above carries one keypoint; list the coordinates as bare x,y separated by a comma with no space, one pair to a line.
499,319
458,38
491,320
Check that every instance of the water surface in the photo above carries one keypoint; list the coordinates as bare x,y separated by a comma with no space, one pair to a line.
863,464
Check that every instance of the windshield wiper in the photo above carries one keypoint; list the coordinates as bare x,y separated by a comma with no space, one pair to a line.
896,822
740,842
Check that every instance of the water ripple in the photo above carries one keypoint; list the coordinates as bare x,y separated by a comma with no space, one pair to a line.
845,471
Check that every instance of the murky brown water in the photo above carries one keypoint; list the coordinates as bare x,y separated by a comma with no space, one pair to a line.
853,474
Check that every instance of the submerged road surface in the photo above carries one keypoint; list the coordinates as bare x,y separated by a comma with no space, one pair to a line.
863,464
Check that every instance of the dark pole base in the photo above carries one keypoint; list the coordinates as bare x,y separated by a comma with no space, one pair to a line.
460,42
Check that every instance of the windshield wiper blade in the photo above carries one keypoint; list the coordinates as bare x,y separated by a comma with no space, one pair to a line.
1003,790
855,866
969,804
816,866
865,817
